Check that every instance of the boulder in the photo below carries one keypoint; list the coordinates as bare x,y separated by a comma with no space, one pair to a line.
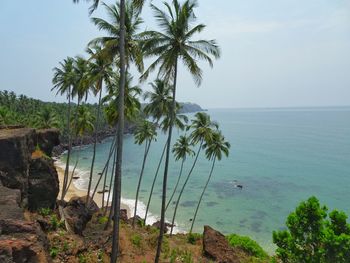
9,203
216,247
43,184
77,215
124,215
166,228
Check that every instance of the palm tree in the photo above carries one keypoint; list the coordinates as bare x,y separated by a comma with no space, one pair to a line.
215,148
82,124
63,80
146,132
46,119
5,116
181,149
133,51
100,71
172,44
202,131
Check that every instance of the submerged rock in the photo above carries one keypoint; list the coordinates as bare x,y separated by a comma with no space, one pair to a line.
216,247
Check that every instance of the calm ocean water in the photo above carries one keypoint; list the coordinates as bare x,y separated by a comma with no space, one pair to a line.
280,156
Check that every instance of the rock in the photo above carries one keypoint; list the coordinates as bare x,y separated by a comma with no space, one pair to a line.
166,228
138,220
43,184
47,139
10,226
216,247
77,215
124,215
16,146
9,203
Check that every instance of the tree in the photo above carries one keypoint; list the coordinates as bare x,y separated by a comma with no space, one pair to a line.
46,119
181,149
64,80
215,147
172,44
146,132
202,131
312,236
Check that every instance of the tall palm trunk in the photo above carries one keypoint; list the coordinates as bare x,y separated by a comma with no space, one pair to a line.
118,170
200,199
177,184
95,141
66,171
183,187
74,168
111,180
105,169
166,168
147,146
106,173
154,182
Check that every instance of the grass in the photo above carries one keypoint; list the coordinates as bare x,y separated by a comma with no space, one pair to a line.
248,245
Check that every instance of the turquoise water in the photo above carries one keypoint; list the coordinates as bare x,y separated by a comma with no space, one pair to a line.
280,156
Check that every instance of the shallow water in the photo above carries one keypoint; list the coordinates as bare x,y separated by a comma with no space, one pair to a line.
280,156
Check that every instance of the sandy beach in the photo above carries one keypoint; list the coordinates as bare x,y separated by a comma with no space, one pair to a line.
74,191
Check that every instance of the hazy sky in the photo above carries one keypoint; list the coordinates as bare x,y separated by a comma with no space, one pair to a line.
274,52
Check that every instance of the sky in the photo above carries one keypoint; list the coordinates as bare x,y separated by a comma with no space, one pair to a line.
275,53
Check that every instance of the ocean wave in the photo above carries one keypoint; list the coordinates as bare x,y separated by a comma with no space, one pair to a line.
82,184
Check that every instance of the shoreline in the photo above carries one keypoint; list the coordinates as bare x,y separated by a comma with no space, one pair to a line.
73,191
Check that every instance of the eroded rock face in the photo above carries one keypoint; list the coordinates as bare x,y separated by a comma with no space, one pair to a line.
43,184
216,247
19,171
166,228
77,215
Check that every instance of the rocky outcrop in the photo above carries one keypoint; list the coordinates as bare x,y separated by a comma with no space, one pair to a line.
77,214
33,177
216,247
43,184
20,240
166,227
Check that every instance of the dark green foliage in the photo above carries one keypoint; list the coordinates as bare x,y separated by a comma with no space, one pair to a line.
136,240
53,252
312,236
45,211
248,245
192,238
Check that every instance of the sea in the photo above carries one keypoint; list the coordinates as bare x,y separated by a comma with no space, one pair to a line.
280,157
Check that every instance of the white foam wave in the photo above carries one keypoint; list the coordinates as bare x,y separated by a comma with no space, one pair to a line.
82,184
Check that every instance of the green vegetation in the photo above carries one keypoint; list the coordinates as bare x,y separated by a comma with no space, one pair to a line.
54,252
248,245
44,211
192,238
136,240
313,235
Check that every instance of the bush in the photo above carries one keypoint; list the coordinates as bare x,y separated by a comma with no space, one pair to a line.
314,237
136,240
44,211
192,238
53,252
103,220
248,245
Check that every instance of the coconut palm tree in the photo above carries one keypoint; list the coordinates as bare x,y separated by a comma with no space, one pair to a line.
64,80
133,21
202,131
100,71
5,116
46,119
173,44
216,147
83,124
146,132
181,149
180,122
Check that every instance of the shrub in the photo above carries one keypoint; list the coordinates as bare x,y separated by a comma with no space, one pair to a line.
248,245
192,238
53,252
103,220
312,236
136,240
44,211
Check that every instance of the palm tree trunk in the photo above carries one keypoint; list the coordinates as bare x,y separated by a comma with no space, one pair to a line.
167,158
66,171
95,142
200,199
153,183
177,184
106,173
118,170
105,168
147,146
183,187
111,180
74,168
